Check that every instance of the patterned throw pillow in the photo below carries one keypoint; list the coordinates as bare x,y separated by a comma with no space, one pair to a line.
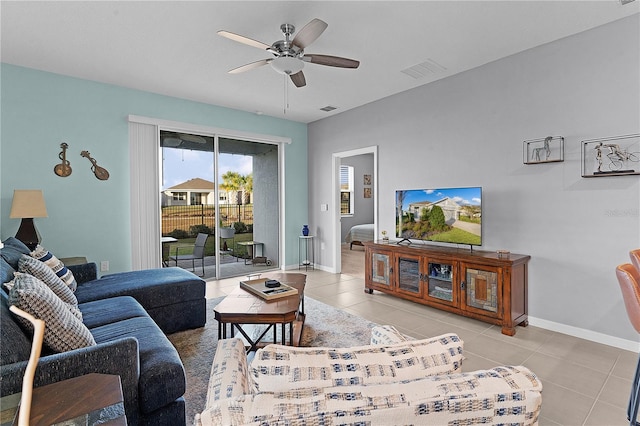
34,267
63,331
56,265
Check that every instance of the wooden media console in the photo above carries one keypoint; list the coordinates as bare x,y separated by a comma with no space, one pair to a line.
477,284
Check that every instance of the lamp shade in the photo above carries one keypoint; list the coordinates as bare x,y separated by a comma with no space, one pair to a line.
28,203
287,65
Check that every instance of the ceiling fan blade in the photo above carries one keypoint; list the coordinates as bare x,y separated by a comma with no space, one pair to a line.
298,79
332,61
250,66
243,39
309,33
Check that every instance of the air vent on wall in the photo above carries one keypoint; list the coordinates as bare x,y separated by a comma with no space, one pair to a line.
328,108
429,67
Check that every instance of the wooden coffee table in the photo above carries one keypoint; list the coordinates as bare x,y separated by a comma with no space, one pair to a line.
242,308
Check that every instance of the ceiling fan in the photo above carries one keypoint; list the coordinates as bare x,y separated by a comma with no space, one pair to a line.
289,56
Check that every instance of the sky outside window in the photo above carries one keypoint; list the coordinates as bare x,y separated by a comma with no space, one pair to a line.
181,165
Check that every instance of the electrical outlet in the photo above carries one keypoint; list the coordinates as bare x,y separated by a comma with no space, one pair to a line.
104,266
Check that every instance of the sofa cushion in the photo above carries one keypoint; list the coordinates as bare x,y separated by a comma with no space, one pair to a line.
56,265
151,287
108,311
278,368
31,266
12,251
16,345
162,378
63,331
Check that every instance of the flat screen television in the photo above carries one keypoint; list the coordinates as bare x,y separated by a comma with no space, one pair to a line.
446,215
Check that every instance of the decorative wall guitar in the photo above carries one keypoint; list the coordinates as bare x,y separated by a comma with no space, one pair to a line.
100,172
63,169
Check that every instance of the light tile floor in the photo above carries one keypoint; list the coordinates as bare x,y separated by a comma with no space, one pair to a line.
584,383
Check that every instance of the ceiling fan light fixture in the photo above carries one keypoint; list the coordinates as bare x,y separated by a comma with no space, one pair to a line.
287,65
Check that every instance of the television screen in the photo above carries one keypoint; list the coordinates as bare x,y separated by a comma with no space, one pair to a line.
447,215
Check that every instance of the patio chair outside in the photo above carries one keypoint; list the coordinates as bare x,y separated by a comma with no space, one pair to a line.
198,252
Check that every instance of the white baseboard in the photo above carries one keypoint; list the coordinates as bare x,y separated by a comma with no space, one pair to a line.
582,333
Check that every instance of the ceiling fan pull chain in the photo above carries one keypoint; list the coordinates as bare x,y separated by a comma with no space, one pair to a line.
286,95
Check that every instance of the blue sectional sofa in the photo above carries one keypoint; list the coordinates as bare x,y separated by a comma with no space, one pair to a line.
128,315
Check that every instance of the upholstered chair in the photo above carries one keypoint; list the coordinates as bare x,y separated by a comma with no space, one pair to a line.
629,279
635,261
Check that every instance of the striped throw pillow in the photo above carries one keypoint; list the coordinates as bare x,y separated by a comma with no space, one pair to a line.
56,265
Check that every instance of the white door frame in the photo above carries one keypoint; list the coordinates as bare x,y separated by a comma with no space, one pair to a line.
145,179
335,181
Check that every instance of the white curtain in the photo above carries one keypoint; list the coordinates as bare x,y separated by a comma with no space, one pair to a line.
145,195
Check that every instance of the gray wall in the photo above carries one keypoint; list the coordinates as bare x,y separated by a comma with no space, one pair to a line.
363,207
468,129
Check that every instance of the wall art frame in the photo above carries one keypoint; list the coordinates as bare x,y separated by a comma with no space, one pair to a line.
611,156
544,150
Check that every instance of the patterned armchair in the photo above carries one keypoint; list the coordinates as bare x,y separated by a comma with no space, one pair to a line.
392,381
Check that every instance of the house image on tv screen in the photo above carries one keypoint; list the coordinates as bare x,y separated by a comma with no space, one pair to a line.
449,215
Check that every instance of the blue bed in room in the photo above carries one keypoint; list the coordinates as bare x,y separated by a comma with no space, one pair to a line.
359,234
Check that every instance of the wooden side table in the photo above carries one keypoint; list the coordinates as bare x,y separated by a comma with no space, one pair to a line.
86,400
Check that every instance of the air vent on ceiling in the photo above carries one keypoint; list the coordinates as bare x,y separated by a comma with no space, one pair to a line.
429,67
328,108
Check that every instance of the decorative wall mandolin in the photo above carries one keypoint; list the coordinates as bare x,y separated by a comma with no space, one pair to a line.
100,172
63,169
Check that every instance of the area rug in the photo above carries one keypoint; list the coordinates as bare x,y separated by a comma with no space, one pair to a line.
324,326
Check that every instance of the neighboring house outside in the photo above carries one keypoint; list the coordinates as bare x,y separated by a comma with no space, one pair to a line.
196,192
449,207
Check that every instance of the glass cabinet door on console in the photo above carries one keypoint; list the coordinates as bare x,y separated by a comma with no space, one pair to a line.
409,274
481,289
379,274
440,277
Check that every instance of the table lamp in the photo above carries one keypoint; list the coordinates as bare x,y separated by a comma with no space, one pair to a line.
28,204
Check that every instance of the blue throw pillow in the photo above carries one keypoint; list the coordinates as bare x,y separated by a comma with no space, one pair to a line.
17,244
12,251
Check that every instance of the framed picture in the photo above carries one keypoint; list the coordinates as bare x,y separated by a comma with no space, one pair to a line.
367,179
547,150
367,193
613,156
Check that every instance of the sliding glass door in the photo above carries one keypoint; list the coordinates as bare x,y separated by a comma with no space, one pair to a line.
225,188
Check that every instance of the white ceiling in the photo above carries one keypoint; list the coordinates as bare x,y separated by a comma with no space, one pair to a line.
172,48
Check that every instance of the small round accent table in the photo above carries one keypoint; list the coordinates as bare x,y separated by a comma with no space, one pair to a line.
305,252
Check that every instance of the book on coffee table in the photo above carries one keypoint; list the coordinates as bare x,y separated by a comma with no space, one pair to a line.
259,288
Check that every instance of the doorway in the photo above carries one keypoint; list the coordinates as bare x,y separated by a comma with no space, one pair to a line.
364,202
227,189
